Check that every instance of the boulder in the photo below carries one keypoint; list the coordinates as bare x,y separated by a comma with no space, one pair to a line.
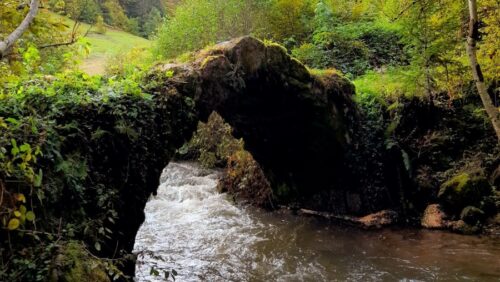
434,217
464,189
472,215
460,226
379,219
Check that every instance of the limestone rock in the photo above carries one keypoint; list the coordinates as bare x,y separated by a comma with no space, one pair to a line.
379,219
434,217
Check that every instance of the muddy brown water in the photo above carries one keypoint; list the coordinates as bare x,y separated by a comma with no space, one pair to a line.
201,234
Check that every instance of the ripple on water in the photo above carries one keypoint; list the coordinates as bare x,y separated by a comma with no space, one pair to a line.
201,234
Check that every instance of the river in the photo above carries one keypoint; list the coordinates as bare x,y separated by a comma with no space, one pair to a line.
204,236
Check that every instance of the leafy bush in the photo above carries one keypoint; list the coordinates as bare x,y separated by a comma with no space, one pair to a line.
61,164
353,48
389,84
197,23
213,143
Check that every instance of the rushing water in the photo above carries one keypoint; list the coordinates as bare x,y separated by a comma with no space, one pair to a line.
201,234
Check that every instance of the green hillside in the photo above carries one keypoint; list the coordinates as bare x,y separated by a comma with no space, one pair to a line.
104,46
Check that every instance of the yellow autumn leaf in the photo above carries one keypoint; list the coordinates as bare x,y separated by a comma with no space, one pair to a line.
13,224
17,213
20,198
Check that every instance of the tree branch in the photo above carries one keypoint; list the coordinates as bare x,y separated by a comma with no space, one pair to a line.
18,32
73,40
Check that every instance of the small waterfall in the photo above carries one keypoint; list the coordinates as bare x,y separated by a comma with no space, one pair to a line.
193,229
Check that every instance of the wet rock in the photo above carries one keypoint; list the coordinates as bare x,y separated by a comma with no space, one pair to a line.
493,226
462,227
472,215
467,188
379,219
495,177
434,217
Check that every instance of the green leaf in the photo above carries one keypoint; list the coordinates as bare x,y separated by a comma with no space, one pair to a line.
17,213
13,224
97,246
13,121
15,149
25,147
30,216
37,181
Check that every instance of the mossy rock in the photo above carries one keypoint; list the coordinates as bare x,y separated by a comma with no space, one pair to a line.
462,227
465,189
74,263
472,215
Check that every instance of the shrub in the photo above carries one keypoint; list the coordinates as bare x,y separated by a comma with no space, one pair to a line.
100,28
213,143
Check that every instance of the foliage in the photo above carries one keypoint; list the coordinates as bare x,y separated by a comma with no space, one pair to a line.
389,84
152,23
46,180
99,25
489,55
78,10
114,14
288,20
244,179
213,143
198,23
27,56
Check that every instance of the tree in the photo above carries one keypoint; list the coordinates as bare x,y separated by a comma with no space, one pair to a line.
6,44
152,22
198,23
99,25
472,39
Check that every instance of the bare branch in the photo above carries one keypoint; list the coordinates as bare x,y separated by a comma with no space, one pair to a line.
18,32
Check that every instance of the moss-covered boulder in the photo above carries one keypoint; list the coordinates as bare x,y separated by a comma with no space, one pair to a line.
460,226
74,263
464,189
472,215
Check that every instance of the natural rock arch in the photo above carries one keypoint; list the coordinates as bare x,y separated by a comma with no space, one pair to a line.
298,124
293,123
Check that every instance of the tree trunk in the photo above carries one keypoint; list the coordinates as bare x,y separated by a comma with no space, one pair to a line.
18,32
472,38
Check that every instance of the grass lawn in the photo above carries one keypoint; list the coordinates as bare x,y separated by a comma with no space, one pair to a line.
104,46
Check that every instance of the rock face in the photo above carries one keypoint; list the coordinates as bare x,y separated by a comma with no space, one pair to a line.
297,126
